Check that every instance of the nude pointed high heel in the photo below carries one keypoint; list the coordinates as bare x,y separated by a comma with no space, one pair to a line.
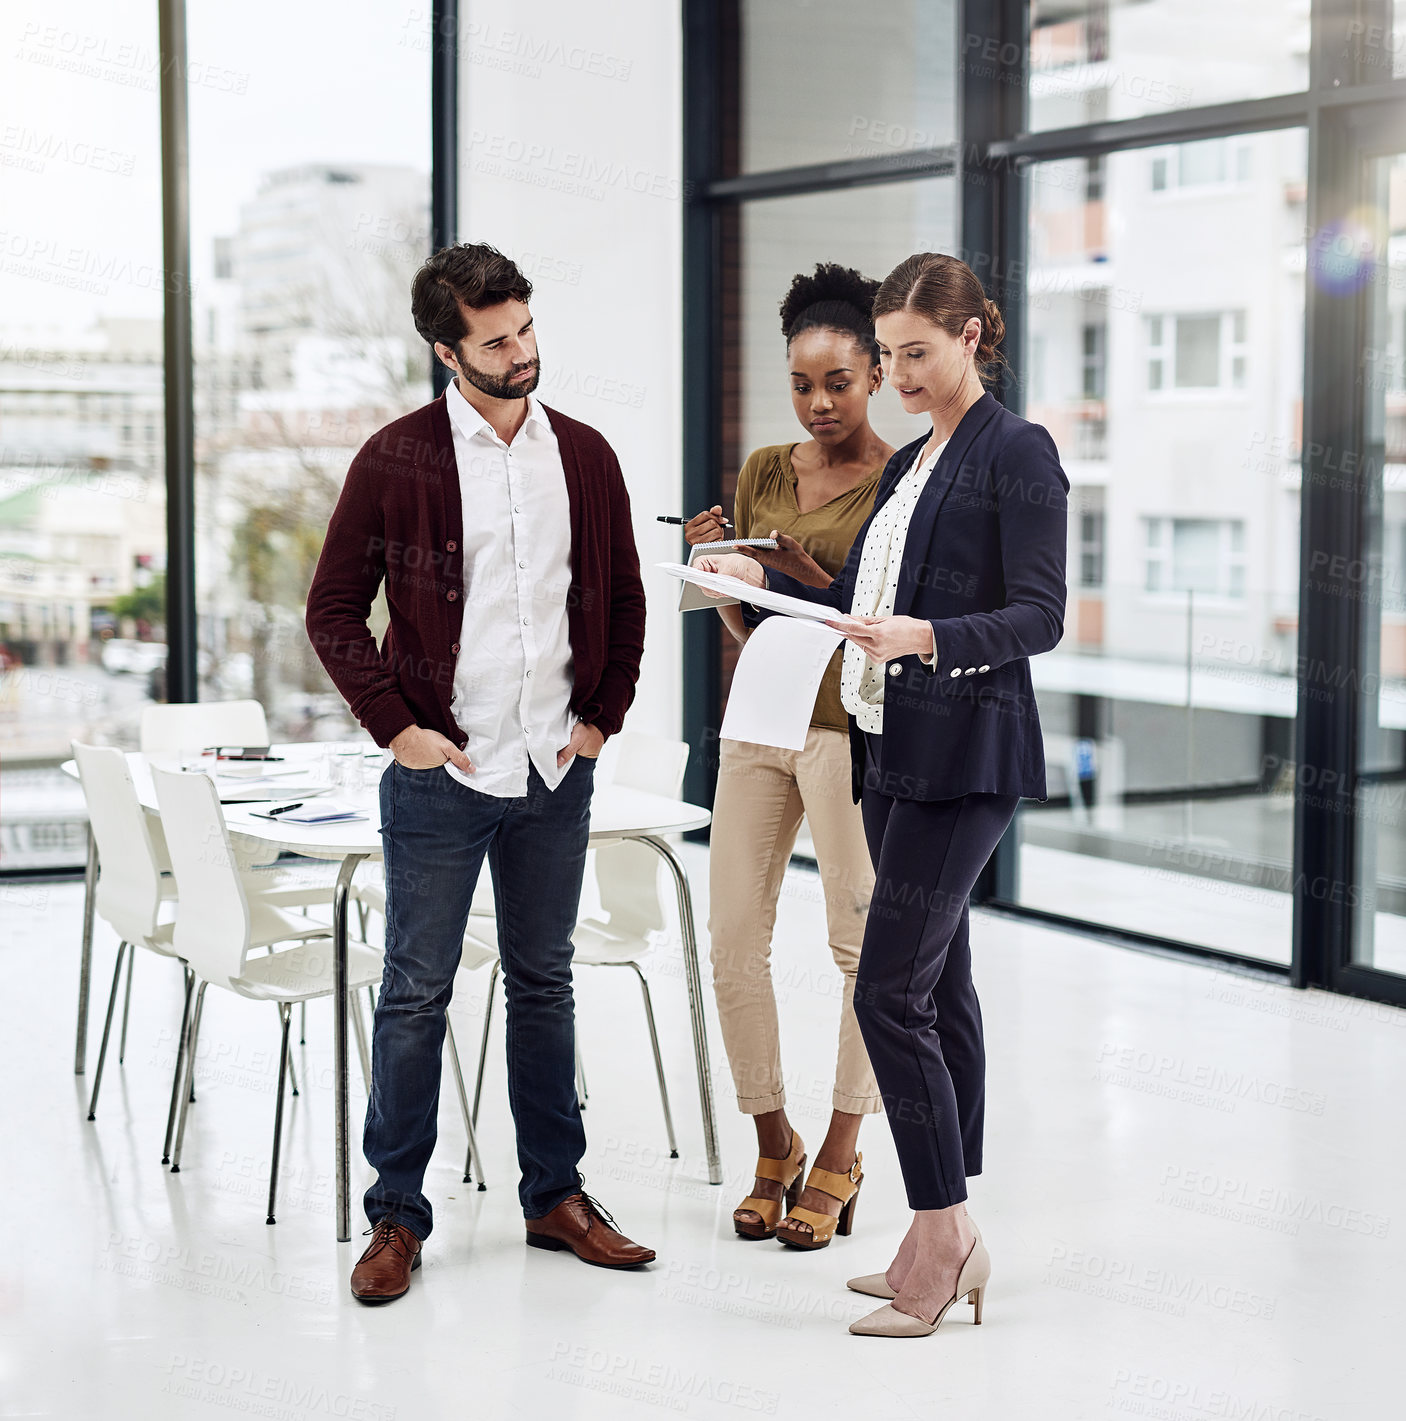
887,1321
876,1285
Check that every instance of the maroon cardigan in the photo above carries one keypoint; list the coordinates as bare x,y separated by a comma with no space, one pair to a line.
399,520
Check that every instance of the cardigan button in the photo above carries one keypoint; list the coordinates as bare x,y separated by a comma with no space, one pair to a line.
455,648
971,670
956,671
452,595
983,669
451,546
895,669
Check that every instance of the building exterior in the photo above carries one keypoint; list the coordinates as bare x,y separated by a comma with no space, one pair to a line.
308,349
82,496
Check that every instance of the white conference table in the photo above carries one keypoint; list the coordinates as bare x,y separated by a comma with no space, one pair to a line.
617,813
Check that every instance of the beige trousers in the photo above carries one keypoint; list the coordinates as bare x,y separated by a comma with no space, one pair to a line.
762,794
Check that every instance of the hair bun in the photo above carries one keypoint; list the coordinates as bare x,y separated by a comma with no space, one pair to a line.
993,331
835,298
832,284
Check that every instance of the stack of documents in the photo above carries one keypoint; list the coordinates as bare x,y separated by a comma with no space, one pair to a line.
734,587
781,664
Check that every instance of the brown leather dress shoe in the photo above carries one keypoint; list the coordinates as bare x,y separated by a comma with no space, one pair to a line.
382,1273
580,1224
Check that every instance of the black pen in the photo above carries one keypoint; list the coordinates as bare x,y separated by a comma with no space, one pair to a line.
284,808
668,518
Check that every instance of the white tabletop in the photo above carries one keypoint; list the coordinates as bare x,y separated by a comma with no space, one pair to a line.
617,811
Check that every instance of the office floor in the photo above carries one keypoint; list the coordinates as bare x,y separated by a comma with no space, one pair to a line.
1193,1204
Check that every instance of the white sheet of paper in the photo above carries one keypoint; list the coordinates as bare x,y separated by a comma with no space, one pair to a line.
757,596
775,681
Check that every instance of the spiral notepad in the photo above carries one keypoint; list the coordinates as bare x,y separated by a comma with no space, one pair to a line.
692,597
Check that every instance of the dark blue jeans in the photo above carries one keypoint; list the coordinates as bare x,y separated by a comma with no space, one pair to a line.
436,833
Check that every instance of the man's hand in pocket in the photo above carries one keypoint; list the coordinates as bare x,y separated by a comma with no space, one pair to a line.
419,749
585,740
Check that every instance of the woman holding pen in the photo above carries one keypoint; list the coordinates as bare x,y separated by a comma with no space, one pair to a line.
956,580
813,496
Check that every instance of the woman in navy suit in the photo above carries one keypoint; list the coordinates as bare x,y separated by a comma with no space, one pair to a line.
953,583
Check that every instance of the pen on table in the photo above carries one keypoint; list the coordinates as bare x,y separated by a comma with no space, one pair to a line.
284,808
669,518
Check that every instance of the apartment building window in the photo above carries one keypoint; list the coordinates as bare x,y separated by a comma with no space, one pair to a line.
1093,178
1094,346
1209,162
1091,547
1204,555
1197,352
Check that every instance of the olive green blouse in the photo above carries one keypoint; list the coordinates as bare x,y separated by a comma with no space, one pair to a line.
766,499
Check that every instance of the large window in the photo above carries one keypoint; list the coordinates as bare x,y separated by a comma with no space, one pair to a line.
1379,875
1224,731
1169,709
829,79
835,141
1092,60
309,217
82,493
868,228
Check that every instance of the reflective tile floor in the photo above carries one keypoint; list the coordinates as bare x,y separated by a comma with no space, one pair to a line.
1193,1200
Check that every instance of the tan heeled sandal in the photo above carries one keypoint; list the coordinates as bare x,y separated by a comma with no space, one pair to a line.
787,1173
824,1227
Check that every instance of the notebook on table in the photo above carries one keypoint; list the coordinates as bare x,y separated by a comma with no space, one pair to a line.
322,811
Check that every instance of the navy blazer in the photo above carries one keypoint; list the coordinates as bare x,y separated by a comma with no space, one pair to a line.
984,563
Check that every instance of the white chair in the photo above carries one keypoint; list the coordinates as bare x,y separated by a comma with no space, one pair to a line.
633,909
133,896
187,727
219,924
194,725
136,894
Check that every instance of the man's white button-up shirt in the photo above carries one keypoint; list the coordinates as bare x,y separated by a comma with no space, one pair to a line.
512,681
